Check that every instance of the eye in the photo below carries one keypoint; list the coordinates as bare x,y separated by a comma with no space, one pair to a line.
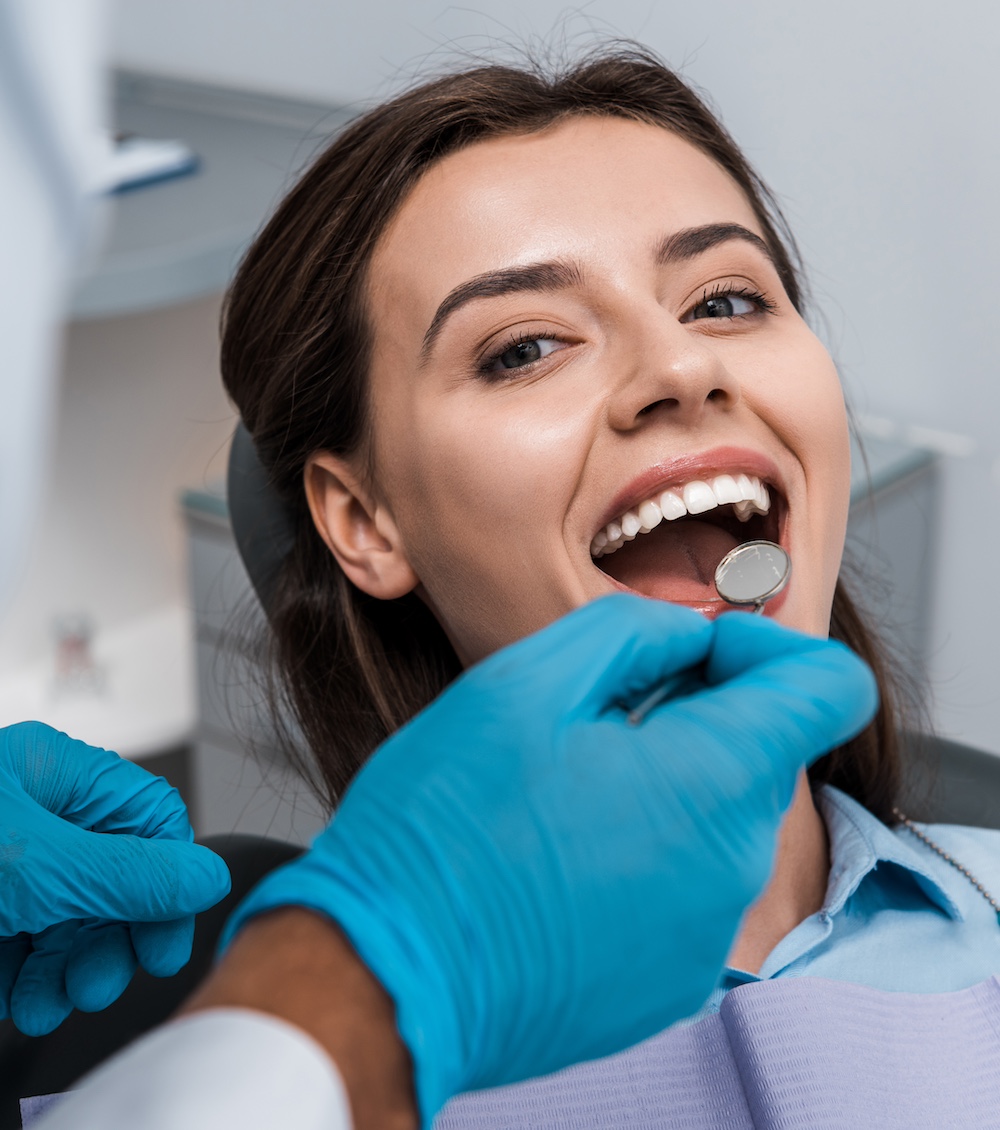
521,353
729,302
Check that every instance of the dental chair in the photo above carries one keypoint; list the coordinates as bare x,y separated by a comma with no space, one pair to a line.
945,783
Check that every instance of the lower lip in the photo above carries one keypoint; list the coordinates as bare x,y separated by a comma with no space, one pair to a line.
713,608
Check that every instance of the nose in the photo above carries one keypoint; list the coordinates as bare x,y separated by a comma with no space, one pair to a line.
673,372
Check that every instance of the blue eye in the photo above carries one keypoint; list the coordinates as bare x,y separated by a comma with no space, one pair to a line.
520,354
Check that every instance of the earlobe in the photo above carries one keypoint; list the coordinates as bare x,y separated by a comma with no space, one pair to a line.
358,531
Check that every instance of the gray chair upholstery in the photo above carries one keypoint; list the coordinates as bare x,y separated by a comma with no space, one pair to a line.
263,530
950,783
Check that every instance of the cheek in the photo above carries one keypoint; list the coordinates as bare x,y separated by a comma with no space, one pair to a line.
824,438
813,421
481,484
810,416
828,482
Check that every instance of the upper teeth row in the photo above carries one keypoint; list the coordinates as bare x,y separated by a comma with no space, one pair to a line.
746,492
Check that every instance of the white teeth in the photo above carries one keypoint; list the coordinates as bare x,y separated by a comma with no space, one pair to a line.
745,486
699,497
672,505
650,515
725,490
745,493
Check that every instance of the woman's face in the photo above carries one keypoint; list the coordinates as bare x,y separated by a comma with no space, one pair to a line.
575,326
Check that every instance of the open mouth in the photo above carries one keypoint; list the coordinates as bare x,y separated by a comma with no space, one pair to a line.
669,545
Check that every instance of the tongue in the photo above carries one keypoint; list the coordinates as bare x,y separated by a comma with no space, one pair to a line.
676,561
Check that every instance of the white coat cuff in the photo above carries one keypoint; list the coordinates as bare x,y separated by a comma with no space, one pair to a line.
221,1067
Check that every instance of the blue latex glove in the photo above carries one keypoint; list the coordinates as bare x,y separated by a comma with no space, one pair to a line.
77,908
535,881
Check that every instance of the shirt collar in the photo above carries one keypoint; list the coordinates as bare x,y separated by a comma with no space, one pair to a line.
859,842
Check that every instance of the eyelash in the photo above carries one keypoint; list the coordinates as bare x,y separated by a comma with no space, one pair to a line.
720,290
486,365
727,290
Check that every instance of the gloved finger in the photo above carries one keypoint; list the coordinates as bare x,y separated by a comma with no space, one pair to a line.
129,879
38,1002
163,948
92,787
805,695
100,965
742,642
13,951
609,651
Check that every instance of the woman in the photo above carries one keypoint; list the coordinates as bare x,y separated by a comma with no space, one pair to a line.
528,340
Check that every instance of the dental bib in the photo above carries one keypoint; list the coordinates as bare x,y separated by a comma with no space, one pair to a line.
796,1053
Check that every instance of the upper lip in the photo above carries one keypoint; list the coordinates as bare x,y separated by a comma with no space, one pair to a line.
685,469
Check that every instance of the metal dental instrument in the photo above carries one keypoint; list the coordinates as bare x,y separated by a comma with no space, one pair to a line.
752,573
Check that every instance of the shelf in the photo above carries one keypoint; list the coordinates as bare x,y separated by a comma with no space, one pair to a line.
181,239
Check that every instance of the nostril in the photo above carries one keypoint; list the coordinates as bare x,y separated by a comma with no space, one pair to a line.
716,394
669,402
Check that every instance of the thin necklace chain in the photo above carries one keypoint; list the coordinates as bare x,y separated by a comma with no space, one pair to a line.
911,827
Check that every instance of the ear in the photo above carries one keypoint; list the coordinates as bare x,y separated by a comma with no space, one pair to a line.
358,531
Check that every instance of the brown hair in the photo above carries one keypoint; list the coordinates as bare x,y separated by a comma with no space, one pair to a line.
295,350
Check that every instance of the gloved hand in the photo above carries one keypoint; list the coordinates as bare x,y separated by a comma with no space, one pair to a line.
78,908
534,880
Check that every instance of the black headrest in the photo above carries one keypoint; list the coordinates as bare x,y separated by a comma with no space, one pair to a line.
262,526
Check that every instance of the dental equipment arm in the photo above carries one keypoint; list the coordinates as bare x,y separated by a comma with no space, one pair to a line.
510,874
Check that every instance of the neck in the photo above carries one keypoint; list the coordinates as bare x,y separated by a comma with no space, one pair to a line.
797,885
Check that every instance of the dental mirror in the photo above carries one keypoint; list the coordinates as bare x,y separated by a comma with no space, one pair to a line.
752,573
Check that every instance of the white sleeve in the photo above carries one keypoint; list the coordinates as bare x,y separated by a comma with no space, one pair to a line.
222,1067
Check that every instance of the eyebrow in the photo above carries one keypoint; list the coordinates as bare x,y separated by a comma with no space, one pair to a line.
691,242
494,284
559,275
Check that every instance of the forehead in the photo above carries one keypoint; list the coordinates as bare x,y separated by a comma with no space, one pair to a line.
589,188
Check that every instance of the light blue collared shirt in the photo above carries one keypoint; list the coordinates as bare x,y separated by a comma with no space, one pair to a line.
896,916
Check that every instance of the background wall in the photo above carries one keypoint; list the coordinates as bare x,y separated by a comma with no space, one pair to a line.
877,125
141,414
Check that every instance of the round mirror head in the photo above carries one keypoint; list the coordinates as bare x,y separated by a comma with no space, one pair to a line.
752,573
